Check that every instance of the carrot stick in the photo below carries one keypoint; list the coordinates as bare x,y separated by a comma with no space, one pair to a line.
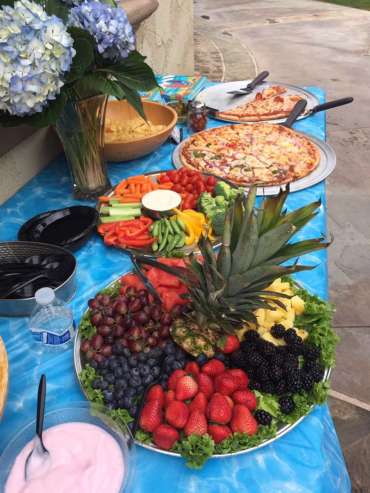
104,199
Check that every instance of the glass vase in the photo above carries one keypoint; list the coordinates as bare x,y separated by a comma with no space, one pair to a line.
81,131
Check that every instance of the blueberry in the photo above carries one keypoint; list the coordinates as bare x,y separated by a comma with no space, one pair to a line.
156,371
142,357
118,372
126,352
148,379
130,392
135,382
201,359
170,348
127,402
179,353
156,352
96,383
140,389
121,403
144,370
119,394
108,395
125,367
121,384
104,364
94,364
105,372
135,372
132,361
177,365
116,348
220,357
110,378
169,359
133,410
113,364
104,384
151,362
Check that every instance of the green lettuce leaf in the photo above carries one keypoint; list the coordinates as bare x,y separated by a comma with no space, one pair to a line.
195,449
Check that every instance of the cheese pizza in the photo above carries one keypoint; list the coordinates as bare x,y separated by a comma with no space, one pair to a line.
259,154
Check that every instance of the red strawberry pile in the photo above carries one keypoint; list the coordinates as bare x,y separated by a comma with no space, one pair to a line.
203,400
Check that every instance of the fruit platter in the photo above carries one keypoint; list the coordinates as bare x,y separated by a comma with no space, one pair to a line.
164,214
234,356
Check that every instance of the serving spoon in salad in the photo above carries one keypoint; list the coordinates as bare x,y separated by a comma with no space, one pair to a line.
39,457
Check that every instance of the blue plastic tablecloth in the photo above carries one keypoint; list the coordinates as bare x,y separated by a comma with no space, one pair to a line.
306,460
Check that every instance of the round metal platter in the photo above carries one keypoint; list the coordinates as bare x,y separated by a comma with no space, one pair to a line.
281,432
148,252
216,97
324,169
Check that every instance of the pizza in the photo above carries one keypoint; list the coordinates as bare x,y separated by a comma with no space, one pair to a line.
272,103
260,154
3,375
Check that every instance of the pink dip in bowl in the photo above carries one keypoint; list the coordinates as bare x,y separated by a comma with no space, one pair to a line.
83,459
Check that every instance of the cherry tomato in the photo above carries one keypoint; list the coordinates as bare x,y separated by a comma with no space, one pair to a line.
177,188
190,187
184,181
171,174
175,178
211,180
210,188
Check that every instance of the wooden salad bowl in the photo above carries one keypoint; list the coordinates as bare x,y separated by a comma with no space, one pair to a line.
156,113
3,376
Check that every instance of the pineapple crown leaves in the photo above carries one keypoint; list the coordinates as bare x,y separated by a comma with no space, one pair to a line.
226,288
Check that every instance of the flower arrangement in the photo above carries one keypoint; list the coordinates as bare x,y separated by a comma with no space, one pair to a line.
59,62
56,52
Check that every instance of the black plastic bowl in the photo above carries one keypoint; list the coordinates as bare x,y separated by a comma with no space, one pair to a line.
69,228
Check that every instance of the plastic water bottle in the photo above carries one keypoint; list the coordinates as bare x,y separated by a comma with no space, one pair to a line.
51,321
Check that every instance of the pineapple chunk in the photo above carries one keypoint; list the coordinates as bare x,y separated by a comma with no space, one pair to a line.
262,329
302,333
284,287
260,315
273,316
298,305
276,285
268,337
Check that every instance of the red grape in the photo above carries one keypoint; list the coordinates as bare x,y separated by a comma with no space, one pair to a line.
85,345
106,350
96,319
135,305
104,330
93,304
97,341
141,318
98,357
166,319
105,301
108,321
118,331
134,333
121,308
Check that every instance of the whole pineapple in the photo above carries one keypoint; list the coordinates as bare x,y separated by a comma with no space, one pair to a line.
225,288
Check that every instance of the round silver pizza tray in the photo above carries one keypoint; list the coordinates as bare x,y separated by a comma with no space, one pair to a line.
324,169
281,432
216,97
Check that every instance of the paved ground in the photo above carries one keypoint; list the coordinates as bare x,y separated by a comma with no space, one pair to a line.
311,42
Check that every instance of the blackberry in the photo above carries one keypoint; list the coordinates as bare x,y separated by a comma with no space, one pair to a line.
296,348
278,331
307,381
267,349
280,388
290,363
290,336
251,336
276,373
263,417
262,373
311,352
277,359
253,358
254,385
294,381
286,404
268,387
317,372
239,359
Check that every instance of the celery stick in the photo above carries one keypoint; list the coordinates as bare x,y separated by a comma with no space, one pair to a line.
131,205
115,211
109,219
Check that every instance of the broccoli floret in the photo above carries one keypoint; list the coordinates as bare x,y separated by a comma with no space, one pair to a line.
218,221
220,200
222,188
206,202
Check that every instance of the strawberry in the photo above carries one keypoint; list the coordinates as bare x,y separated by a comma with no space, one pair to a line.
186,388
213,367
170,396
151,416
199,402
205,384
192,368
230,401
243,421
156,393
196,425
226,384
219,410
177,414
240,377
229,344
165,436
172,381
219,432
245,397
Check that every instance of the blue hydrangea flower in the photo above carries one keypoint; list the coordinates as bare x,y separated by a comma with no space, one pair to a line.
108,25
35,52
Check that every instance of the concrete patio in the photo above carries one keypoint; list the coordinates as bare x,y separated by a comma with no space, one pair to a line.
315,43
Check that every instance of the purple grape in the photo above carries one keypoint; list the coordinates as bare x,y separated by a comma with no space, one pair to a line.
104,330
156,313
97,341
121,308
109,321
166,319
106,350
85,346
141,318
96,319
93,304
105,301
135,305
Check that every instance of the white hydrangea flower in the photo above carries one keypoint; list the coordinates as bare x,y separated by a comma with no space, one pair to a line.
35,52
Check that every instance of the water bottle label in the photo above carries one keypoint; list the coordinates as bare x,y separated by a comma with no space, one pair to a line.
52,339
